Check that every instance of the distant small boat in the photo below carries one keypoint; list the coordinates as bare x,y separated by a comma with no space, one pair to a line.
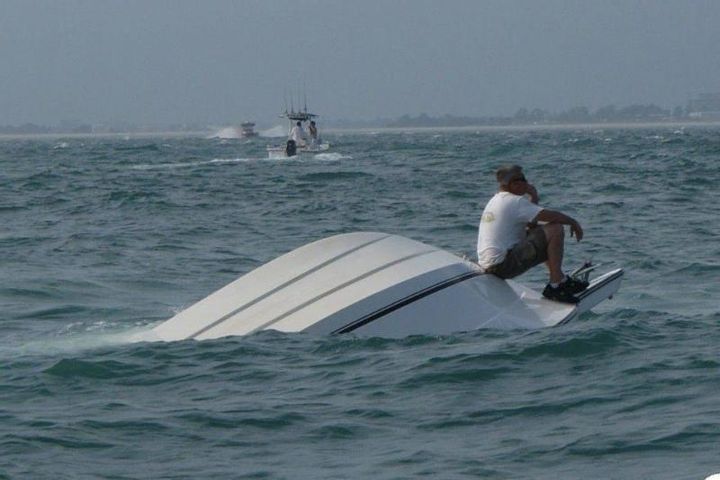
247,130
291,147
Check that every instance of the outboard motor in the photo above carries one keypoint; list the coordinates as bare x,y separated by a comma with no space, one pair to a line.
290,148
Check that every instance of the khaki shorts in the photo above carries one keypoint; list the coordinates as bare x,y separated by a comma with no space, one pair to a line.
523,256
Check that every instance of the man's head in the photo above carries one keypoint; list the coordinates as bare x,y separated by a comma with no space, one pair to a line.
298,123
511,178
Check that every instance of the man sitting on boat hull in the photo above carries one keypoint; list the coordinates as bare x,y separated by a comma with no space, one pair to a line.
510,241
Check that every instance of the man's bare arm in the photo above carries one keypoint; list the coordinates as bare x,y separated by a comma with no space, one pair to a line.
553,216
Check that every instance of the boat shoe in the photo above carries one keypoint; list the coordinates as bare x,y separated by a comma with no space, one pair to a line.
574,285
559,294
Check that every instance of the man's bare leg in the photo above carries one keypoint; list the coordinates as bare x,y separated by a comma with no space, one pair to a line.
555,235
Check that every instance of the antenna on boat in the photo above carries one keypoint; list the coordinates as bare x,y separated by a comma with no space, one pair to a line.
305,95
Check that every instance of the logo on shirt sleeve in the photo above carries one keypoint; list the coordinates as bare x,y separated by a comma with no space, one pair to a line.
487,217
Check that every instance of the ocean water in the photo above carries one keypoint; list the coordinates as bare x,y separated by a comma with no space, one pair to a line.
102,237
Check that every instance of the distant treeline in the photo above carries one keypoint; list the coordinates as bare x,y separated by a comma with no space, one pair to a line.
524,116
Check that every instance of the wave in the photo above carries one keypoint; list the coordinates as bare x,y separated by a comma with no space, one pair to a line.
149,147
331,157
196,163
333,176
73,368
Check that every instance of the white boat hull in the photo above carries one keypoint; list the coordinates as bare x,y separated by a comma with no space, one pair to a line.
373,284
279,151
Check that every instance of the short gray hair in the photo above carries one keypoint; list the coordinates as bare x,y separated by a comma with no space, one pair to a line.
506,173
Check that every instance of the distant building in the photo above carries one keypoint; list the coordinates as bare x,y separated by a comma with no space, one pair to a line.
705,106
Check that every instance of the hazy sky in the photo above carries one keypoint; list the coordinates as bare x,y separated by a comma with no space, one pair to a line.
222,61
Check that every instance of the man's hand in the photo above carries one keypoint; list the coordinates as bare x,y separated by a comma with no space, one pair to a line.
532,191
576,230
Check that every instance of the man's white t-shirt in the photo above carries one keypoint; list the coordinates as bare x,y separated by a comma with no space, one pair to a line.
503,225
298,134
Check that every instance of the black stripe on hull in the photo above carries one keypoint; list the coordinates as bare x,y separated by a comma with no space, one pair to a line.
405,301
295,279
340,287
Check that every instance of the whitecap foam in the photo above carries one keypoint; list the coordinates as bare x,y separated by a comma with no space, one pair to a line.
234,133
226,133
330,157
80,336
198,163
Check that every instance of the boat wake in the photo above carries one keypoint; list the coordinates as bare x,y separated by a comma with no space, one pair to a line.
331,157
232,133
226,133
199,163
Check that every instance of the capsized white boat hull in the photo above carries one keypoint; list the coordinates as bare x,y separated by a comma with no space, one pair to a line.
373,284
